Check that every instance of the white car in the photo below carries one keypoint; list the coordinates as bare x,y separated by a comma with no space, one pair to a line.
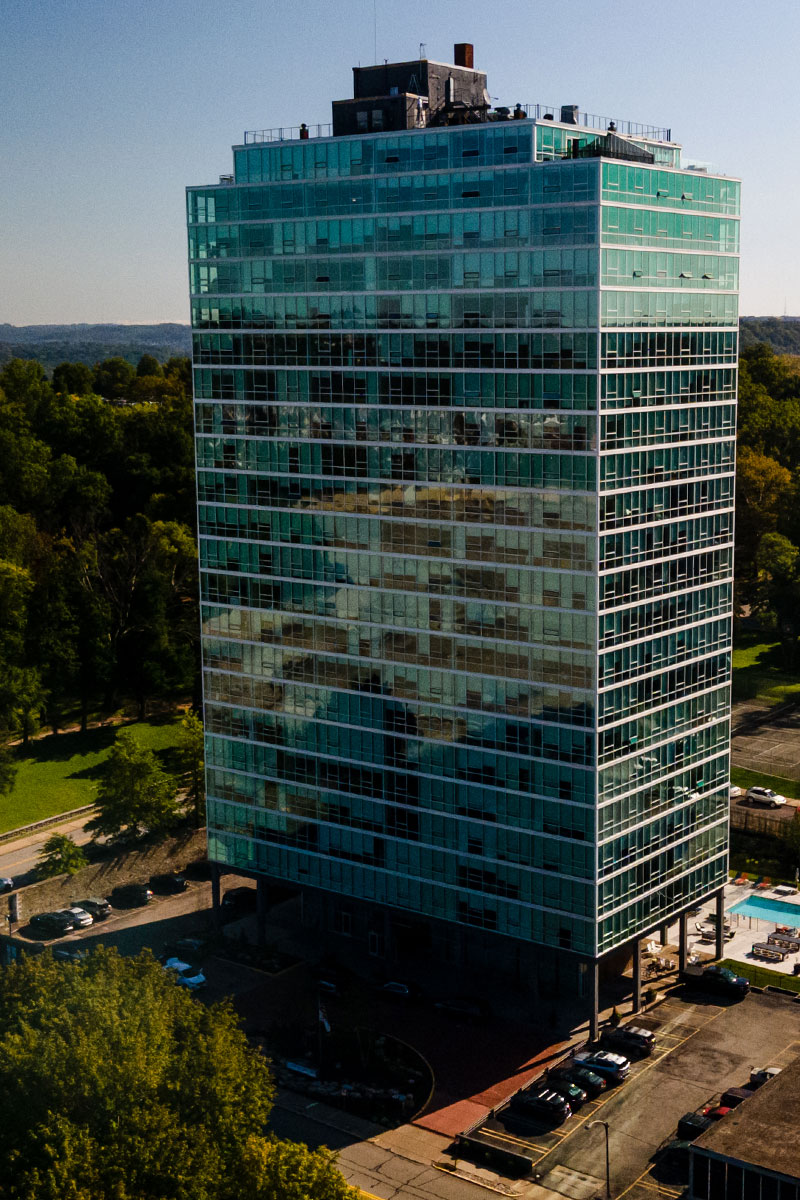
764,795
186,975
734,792
79,917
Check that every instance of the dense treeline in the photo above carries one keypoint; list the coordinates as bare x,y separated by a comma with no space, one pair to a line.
52,344
782,334
98,575
768,493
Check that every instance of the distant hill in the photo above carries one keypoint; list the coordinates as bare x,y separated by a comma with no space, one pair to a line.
781,333
54,344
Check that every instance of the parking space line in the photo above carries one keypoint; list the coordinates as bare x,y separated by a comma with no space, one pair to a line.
631,1186
646,1066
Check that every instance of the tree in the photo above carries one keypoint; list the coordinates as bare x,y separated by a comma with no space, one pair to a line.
113,377
275,1170
60,856
28,700
191,749
8,771
72,379
116,1084
135,795
148,365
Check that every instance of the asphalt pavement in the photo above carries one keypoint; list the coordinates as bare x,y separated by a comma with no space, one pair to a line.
20,855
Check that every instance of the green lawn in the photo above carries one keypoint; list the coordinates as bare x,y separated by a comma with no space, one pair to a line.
60,772
758,671
785,787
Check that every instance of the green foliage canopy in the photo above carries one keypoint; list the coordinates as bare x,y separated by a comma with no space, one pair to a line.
60,856
135,795
116,1084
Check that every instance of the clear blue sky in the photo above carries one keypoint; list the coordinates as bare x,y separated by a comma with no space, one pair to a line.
110,108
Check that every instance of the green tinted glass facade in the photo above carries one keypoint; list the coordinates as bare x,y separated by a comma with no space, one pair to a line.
465,415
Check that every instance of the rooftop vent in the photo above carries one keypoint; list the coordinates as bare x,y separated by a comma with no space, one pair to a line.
569,114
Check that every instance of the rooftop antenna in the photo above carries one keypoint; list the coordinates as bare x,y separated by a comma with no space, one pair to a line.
375,27
422,51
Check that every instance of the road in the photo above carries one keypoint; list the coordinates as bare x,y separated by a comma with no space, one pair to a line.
20,855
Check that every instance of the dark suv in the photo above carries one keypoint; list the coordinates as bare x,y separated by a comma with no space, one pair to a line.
543,1102
52,924
630,1039
239,900
131,895
95,907
719,979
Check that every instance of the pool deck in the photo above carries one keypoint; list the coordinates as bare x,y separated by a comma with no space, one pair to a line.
747,930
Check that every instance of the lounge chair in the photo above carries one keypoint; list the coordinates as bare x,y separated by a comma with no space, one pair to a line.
741,881
764,884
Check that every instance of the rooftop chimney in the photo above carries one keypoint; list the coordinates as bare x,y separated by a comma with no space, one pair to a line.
462,54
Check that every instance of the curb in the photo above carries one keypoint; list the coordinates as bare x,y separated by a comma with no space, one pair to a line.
13,834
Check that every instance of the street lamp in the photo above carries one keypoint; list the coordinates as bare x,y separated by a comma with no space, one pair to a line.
590,1125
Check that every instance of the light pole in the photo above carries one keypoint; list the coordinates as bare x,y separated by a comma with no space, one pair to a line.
590,1125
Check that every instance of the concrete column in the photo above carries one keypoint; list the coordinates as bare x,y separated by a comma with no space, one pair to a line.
720,948
594,996
637,976
216,919
683,943
664,935
261,911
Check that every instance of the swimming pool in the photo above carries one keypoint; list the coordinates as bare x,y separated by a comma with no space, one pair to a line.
778,911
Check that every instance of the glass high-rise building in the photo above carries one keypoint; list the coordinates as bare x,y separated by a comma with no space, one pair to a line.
465,388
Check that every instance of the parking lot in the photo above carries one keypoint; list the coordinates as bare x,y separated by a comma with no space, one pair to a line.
702,1048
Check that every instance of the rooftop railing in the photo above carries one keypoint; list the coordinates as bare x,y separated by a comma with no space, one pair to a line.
286,133
536,112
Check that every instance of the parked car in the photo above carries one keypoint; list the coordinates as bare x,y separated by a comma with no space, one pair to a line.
764,796
761,1075
735,792
733,1097
73,954
52,924
131,895
633,1039
186,975
591,1083
81,919
613,1067
715,978
405,991
170,884
691,1125
573,1093
190,946
464,1007
6,884
543,1102
96,907
239,900
715,1112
